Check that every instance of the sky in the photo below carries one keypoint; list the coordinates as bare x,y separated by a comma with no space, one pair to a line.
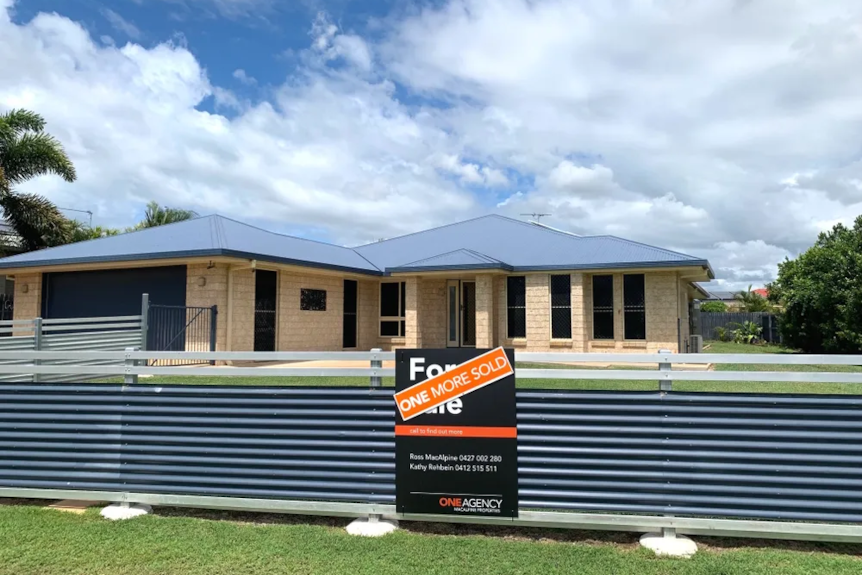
729,129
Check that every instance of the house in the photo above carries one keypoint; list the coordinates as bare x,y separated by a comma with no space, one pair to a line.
482,282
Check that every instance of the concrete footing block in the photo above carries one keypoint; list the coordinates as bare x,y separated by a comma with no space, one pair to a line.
117,511
669,545
371,527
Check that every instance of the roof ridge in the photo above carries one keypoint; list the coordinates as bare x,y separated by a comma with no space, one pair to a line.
647,246
472,252
535,225
281,234
427,230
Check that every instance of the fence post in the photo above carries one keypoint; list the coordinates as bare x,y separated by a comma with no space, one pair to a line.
145,319
376,363
213,324
129,377
664,369
37,344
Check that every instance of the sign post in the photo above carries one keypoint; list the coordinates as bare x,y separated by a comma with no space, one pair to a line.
456,445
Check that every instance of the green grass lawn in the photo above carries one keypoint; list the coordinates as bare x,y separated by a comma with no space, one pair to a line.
36,541
752,386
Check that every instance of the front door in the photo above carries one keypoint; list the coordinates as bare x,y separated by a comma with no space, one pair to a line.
460,313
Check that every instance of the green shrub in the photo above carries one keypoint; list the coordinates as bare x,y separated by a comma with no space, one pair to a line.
713,307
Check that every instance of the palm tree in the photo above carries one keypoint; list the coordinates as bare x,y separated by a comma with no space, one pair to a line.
752,301
27,151
157,215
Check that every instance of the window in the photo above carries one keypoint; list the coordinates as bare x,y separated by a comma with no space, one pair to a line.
516,305
312,299
561,307
393,302
603,307
634,306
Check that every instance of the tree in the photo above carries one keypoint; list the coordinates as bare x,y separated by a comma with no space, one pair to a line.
713,307
752,301
27,151
157,215
821,293
80,232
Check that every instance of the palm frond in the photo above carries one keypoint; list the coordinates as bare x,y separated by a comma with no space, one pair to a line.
36,220
35,154
20,120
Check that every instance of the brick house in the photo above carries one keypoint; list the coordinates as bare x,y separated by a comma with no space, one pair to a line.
483,282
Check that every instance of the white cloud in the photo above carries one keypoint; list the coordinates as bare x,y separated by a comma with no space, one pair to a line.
120,24
243,77
720,129
331,151
468,172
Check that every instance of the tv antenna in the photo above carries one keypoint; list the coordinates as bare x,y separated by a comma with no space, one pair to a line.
537,216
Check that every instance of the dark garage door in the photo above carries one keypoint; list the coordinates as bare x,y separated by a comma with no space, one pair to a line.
111,292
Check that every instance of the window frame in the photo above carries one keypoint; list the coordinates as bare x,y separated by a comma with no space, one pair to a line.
402,304
509,308
612,309
634,311
552,307
303,292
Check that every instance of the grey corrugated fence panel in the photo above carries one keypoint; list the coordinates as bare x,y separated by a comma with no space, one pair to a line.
95,335
779,457
708,322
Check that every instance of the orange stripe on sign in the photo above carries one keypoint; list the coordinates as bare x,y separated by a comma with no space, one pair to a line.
445,431
469,376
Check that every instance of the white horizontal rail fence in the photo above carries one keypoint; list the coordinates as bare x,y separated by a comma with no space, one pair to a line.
103,354
95,335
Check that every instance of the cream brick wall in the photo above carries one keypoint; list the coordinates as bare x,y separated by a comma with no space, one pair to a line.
27,305
579,313
369,315
241,329
685,328
213,292
484,311
538,312
412,314
432,312
304,330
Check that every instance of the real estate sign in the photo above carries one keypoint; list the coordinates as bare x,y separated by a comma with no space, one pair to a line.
456,432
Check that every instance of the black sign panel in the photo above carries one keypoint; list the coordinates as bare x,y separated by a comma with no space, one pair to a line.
473,474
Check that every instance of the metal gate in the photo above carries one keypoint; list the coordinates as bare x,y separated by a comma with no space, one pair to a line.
181,328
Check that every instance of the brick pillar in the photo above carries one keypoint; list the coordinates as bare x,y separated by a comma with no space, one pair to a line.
579,313
412,336
484,311
619,326
538,311
28,305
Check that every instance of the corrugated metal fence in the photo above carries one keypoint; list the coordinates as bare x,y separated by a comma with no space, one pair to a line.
725,455
91,334
715,463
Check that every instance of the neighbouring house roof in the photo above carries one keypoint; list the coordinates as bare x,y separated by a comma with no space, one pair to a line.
488,242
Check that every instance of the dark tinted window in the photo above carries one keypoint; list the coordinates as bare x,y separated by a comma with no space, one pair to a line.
561,307
312,299
516,298
603,307
634,306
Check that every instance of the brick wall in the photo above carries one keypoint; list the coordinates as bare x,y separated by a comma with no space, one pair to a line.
28,305
304,330
369,315
484,311
432,312
241,334
213,292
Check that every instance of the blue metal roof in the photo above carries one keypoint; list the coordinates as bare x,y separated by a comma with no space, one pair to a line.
455,260
523,246
489,242
208,236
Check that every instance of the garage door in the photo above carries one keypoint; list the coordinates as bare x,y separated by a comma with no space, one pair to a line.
111,292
